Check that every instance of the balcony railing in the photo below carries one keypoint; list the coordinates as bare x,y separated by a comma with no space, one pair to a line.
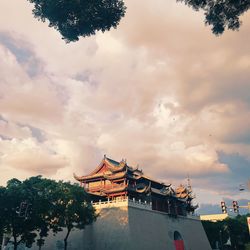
134,203
123,202
110,203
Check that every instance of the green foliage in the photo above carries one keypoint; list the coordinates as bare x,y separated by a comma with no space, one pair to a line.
234,228
215,232
50,205
238,231
22,229
75,18
2,218
41,196
71,209
220,14
247,246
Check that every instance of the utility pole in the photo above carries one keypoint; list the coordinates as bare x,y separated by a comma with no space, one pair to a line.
221,243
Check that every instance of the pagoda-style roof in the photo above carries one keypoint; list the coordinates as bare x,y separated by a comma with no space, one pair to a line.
183,192
116,189
141,188
82,178
110,169
115,180
112,176
163,191
107,167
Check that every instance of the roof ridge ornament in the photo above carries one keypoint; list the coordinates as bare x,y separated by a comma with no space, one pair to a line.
123,160
122,163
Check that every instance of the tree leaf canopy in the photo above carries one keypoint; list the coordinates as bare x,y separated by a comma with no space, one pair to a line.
75,18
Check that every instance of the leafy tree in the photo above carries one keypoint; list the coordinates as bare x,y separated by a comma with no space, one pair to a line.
216,232
42,198
74,18
72,211
27,209
21,227
234,228
2,218
221,14
238,231
35,206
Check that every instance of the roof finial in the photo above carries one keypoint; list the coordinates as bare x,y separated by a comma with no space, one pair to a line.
105,156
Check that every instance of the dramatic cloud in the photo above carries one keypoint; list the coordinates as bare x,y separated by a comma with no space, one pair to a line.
160,91
29,156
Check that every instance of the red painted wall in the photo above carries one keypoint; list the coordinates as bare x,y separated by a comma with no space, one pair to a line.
179,244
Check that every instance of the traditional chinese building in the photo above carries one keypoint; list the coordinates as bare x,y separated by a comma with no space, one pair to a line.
113,180
135,212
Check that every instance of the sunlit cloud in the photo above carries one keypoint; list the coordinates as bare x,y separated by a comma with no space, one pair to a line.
160,91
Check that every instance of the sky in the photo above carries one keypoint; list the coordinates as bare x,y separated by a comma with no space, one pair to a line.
160,91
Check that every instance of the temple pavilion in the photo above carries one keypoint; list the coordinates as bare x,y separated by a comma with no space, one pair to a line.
113,180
